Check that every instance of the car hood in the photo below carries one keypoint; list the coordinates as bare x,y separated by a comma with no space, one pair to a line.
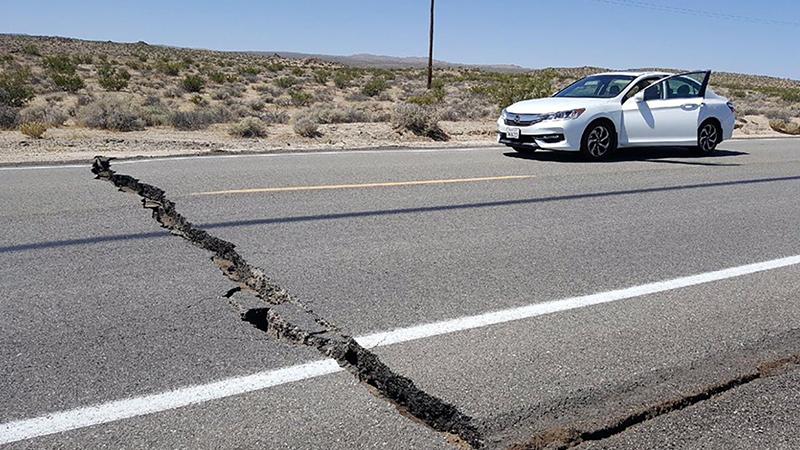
553,104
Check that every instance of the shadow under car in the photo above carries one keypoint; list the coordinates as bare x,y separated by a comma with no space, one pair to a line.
665,155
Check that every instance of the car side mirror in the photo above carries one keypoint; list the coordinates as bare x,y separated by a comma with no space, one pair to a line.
639,97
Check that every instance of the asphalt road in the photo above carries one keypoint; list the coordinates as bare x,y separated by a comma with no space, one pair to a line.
99,304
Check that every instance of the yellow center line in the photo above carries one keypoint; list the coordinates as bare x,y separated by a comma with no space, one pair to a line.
363,185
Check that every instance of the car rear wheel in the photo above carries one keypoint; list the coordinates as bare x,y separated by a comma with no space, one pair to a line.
598,141
708,136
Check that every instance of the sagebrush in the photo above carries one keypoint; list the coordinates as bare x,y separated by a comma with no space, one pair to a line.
35,130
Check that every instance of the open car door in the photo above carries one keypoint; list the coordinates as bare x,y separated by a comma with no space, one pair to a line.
668,111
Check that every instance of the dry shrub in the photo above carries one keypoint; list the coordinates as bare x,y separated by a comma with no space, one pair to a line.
751,111
237,110
286,82
15,87
46,113
63,72
356,97
323,96
154,111
33,129
420,120
342,115
432,96
198,100
274,116
155,115
216,77
506,89
306,126
466,110
228,91
169,68
193,83
31,49
342,79
112,78
198,119
283,100
321,75
256,105
778,114
172,92
300,98
249,127
347,114
111,113
8,117
374,86
266,89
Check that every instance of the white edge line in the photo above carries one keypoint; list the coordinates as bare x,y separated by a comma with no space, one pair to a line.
132,407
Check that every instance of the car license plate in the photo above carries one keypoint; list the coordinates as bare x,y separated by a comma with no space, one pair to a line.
512,133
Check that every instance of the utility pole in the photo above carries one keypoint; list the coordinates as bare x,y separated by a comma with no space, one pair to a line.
430,51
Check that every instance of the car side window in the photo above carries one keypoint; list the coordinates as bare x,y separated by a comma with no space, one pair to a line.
638,87
682,87
653,92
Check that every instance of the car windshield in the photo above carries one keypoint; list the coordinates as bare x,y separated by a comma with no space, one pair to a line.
597,86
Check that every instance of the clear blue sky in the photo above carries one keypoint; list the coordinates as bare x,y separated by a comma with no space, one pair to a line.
741,35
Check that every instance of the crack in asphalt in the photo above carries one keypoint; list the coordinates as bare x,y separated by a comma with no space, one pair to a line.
288,319
564,437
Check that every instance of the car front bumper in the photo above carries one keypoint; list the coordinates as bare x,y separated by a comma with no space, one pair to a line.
564,135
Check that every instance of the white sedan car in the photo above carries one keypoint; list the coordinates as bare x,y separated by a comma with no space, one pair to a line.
602,112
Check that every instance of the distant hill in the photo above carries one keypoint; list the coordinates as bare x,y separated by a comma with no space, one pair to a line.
392,62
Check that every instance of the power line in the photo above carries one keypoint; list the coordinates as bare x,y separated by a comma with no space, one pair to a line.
699,12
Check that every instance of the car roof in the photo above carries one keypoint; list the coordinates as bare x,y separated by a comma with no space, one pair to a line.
637,74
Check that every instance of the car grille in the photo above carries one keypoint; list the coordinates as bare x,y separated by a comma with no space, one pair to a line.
522,120
531,138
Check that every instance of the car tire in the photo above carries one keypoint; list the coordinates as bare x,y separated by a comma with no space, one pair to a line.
522,150
708,137
599,140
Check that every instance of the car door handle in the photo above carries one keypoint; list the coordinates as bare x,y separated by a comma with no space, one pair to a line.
691,106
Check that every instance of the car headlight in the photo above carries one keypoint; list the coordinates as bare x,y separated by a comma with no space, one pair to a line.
565,115
503,114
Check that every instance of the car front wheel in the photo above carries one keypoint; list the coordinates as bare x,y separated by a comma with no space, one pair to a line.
598,141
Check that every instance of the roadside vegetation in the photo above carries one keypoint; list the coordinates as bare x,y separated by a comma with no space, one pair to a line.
249,127
35,130
776,99
56,82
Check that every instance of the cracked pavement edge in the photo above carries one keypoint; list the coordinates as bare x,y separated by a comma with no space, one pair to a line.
285,318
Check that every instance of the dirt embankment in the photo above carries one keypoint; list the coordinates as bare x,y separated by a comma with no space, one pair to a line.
81,144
